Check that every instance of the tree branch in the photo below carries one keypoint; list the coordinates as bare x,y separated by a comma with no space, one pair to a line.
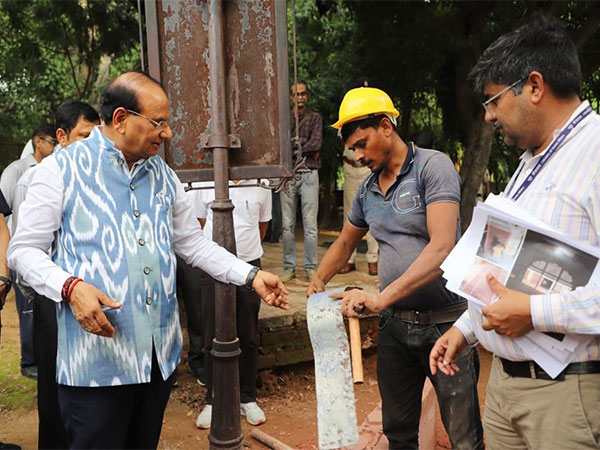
69,58
588,29
90,64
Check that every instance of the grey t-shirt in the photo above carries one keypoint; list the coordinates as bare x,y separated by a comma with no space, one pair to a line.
398,220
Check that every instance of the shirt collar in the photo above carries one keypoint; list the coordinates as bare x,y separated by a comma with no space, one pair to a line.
410,158
302,114
110,146
527,155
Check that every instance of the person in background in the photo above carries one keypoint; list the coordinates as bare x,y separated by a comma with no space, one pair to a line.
189,284
5,283
310,132
44,142
251,215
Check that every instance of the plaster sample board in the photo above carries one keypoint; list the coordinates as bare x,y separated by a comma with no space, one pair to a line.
336,409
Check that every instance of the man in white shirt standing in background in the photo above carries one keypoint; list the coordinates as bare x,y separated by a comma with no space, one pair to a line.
251,215
44,142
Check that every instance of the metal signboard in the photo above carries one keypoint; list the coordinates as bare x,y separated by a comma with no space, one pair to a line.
256,84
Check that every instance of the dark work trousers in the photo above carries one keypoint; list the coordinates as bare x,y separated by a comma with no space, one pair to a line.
188,281
26,333
115,417
51,432
402,365
247,308
274,228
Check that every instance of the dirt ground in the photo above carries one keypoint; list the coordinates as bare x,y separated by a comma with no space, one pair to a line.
287,396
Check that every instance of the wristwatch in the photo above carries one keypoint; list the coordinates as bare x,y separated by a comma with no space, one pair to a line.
251,277
7,282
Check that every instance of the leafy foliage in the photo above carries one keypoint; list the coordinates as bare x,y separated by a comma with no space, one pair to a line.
420,53
58,50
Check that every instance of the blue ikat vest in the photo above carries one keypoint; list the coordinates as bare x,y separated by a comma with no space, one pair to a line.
116,234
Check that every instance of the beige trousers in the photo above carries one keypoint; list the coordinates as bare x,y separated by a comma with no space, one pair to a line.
524,413
353,176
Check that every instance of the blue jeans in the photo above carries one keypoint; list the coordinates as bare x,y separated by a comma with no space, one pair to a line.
308,191
402,365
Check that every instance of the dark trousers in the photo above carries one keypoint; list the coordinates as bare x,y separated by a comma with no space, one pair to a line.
116,416
51,432
402,365
274,228
188,281
26,333
247,308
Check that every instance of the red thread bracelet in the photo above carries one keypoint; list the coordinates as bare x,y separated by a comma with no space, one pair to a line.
65,288
73,284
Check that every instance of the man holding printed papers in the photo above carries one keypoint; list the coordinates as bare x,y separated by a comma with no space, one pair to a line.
532,80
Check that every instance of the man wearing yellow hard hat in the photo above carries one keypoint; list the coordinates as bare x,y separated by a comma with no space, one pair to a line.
410,205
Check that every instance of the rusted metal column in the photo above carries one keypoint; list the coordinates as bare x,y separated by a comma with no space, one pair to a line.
226,429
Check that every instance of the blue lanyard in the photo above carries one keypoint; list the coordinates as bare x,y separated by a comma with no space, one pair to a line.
554,146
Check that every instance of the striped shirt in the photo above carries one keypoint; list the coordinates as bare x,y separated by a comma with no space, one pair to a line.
566,195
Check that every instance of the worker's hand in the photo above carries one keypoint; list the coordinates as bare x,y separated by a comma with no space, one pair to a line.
510,315
271,289
85,302
316,285
445,351
355,301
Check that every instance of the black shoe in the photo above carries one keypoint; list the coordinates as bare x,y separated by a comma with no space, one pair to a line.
29,372
5,446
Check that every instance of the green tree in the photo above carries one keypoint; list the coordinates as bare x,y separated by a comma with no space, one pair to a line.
58,50
421,53
324,44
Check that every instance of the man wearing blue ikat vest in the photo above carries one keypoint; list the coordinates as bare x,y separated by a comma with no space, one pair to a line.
120,215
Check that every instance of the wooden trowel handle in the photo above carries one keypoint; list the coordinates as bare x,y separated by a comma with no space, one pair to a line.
355,350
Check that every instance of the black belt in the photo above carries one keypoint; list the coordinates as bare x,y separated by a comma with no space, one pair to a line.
530,369
440,315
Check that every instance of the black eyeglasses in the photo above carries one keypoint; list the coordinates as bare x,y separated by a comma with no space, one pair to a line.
163,124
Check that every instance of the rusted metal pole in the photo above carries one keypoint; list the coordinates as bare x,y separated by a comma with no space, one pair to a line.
226,429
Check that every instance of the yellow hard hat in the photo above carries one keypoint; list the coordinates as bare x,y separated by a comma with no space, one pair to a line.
361,102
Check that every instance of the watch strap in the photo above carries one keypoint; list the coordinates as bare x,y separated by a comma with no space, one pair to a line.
251,277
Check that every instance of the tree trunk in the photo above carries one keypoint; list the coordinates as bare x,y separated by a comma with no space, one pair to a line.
478,135
325,203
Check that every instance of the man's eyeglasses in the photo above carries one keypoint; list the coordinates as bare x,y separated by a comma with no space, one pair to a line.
494,100
50,141
158,125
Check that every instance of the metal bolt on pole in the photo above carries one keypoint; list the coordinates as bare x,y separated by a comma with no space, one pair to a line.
226,429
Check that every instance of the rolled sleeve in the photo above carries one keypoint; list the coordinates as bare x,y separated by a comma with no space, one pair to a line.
576,312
